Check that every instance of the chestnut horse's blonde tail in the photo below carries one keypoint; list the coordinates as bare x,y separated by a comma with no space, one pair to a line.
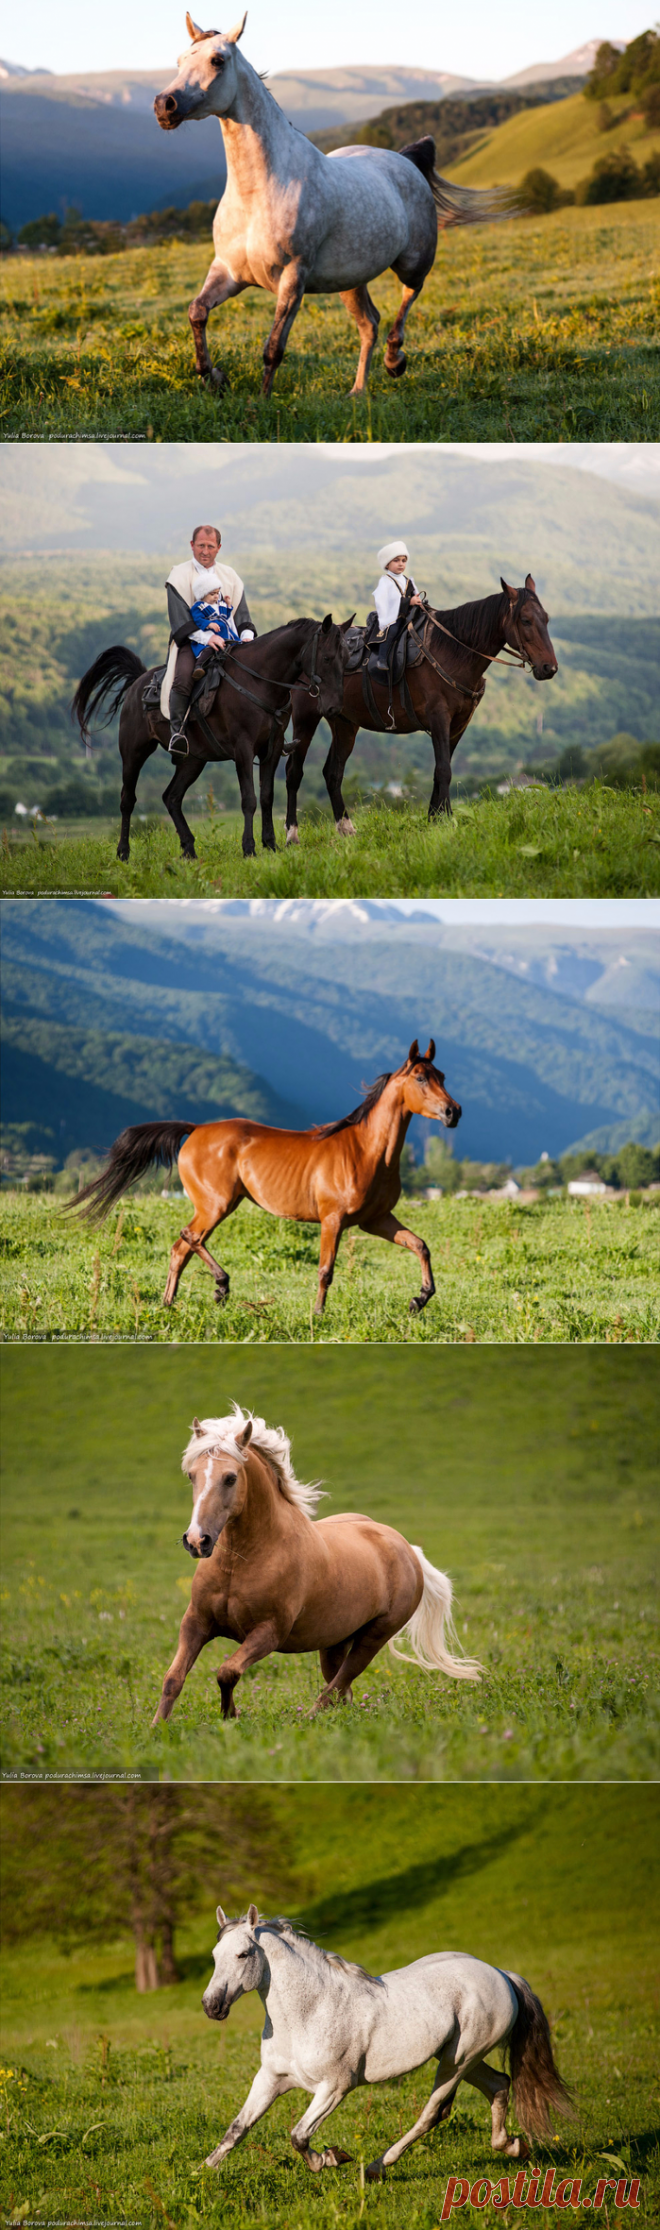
463,205
430,1629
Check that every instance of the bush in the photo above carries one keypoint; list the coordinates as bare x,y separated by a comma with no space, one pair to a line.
614,177
42,232
635,71
542,193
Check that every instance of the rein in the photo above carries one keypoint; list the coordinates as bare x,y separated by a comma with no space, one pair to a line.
516,659
313,684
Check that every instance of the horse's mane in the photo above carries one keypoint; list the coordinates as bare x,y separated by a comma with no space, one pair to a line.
293,1934
473,623
267,1440
359,1114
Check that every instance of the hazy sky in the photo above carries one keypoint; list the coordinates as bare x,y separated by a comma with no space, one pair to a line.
578,913
476,40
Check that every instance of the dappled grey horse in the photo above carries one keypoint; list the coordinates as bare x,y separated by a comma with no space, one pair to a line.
295,221
330,2026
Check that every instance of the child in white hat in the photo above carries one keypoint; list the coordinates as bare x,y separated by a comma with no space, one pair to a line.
393,596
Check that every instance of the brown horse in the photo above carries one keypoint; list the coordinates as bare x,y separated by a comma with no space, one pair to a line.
443,693
246,721
339,1175
272,1579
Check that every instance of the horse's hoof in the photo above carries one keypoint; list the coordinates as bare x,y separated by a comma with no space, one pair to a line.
214,378
221,1295
397,367
345,827
123,852
249,851
292,836
269,844
375,2173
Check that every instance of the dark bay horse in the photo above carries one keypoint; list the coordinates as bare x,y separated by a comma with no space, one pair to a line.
340,1175
246,722
269,1578
444,691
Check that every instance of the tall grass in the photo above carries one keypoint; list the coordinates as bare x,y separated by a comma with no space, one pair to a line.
591,843
527,331
561,1270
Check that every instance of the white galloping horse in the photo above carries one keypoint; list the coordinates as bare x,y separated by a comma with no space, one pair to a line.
330,2026
296,222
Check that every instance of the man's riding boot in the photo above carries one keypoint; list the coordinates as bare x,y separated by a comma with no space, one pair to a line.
179,709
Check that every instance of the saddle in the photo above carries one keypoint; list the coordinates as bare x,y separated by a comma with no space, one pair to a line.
207,682
364,645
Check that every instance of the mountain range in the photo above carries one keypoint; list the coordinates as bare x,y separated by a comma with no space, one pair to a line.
93,140
548,1036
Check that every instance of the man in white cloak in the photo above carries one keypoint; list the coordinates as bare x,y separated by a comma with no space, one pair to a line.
186,585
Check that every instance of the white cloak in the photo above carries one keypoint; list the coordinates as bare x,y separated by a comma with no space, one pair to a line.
388,594
184,578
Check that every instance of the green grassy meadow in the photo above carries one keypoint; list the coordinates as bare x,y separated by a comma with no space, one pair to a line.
112,2101
557,1270
565,137
532,1481
591,843
526,331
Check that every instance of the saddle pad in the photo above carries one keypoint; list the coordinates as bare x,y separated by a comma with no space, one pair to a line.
152,689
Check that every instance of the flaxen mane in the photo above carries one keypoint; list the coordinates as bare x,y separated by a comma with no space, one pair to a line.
267,1440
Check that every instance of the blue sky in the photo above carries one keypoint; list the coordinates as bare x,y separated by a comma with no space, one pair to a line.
475,40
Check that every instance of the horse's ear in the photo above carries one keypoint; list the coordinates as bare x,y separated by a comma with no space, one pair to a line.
346,623
243,1437
430,1056
237,33
414,1051
220,1917
326,624
197,1428
530,584
253,1916
193,30
512,593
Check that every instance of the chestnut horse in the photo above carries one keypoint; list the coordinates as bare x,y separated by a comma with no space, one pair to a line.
443,692
270,1578
339,1174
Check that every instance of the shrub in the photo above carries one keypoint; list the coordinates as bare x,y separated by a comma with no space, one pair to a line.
542,193
615,177
42,232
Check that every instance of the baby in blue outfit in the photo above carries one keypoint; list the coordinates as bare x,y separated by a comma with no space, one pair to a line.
212,611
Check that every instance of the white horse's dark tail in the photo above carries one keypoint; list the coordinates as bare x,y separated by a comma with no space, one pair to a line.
539,2091
462,205
430,1630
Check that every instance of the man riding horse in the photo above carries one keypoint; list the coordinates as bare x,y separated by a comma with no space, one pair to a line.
189,585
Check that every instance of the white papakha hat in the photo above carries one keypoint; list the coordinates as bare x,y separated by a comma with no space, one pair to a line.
390,550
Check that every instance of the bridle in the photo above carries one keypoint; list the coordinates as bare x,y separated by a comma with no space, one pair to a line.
311,682
517,658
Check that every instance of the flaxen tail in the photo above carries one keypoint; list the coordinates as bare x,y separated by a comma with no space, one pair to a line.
430,1629
132,1154
462,205
538,2090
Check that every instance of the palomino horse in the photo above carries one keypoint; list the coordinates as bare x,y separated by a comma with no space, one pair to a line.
339,1175
297,222
246,722
269,1578
330,2026
443,692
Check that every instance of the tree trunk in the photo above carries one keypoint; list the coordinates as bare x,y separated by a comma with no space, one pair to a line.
168,1967
146,1967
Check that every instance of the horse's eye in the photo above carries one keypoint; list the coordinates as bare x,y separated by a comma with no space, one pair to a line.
244,1954
218,61
230,1478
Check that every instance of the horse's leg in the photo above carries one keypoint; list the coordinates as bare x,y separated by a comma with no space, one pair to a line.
331,1661
399,1236
359,304
192,1636
437,2109
496,2087
289,297
440,738
356,1654
295,767
244,763
185,773
267,767
218,287
263,2091
395,360
343,733
192,1240
330,2093
259,1644
331,1231
135,750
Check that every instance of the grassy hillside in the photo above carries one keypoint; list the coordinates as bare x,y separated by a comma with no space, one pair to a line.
525,1881
558,1270
564,138
525,331
532,1483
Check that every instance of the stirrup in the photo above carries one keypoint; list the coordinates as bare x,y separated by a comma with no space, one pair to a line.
178,745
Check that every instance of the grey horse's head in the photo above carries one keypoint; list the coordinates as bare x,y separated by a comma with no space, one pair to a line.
207,79
239,1964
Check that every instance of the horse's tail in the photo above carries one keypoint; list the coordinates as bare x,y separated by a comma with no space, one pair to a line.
430,1629
461,205
133,1153
538,2090
115,666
